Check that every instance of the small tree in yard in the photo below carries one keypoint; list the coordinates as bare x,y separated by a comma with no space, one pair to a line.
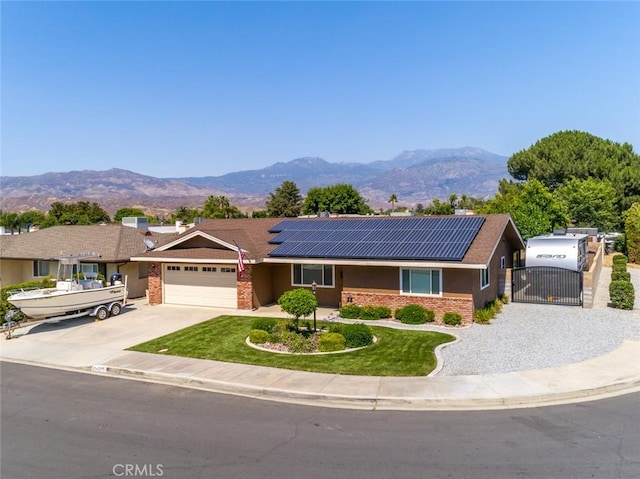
298,303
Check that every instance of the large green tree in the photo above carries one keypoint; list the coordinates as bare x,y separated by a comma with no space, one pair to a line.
127,212
285,201
555,159
220,207
533,208
340,198
632,232
590,203
79,213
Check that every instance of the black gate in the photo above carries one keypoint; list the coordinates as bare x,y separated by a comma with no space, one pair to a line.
546,284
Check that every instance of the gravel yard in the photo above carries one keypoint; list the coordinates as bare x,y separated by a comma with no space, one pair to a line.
533,336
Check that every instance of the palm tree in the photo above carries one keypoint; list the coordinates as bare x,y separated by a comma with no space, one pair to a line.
393,199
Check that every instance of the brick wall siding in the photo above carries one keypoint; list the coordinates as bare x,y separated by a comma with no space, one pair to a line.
245,288
462,306
155,283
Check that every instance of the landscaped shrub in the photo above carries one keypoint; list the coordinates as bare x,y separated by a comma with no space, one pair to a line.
414,314
383,312
331,342
265,324
297,343
622,294
298,303
335,328
374,312
357,335
490,310
619,259
259,336
618,275
452,319
350,311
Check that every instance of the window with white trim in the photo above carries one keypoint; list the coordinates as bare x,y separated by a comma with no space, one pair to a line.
173,268
484,278
421,281
503,262
41,268
305,274
191,268
91,268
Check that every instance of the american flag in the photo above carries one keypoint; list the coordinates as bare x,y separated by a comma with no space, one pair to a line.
240,258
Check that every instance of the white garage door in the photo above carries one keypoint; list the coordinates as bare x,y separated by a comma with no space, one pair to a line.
200,285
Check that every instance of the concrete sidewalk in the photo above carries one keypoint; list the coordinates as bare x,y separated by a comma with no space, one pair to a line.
98,348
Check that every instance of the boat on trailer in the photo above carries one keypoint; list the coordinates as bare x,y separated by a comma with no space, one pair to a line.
72,295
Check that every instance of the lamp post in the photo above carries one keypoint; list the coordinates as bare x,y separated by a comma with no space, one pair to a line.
314,290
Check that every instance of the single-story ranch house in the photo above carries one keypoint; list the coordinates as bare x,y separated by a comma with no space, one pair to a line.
32,256
445,263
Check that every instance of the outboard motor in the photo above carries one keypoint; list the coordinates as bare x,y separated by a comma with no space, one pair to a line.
116,278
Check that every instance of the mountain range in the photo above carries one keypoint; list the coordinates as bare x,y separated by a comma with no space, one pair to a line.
416,176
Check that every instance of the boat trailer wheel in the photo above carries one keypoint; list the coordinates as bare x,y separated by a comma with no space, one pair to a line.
102,313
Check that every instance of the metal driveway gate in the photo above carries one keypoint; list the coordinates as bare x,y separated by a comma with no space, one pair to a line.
546,284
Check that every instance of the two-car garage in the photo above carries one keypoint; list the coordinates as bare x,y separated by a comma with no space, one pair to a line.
211,285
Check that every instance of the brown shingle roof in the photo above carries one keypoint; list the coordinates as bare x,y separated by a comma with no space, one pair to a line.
113,242
253,236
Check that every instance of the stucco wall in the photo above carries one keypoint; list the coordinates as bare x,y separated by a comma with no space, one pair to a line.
14,271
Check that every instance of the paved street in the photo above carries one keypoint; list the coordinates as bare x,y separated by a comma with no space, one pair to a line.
58,424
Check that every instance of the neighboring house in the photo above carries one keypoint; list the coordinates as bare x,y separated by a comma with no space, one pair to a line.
445,263
31,256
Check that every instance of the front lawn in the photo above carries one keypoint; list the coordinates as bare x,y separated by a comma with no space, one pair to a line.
397,352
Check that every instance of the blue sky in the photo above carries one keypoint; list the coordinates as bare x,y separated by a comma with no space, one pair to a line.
174,89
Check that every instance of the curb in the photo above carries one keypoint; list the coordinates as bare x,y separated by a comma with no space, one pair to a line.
365,402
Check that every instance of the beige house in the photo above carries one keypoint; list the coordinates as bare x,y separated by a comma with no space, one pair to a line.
31,256
445,263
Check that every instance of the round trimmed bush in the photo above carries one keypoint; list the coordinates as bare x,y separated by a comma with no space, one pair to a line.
259,336
350,311
331,342
357,335
265,324
452,319
414,314
374,312
617,275
622,294
619,259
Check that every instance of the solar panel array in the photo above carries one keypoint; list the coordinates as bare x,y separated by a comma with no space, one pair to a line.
444,238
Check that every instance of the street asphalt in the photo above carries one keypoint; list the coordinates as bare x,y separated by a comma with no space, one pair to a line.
88,346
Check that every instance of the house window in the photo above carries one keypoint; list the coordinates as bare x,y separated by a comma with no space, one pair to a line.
306,274
484,278
503,262
41,268
173,268
421,281
89,268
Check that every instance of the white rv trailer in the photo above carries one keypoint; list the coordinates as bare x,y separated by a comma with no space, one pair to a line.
569,251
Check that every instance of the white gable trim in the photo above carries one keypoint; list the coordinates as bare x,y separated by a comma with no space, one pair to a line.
195,234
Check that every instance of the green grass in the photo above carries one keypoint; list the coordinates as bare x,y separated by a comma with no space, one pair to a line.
397,352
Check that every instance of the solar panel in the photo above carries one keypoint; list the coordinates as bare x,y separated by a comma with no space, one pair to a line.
418,238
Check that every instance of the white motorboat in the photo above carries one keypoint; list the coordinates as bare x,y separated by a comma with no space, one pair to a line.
71,294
